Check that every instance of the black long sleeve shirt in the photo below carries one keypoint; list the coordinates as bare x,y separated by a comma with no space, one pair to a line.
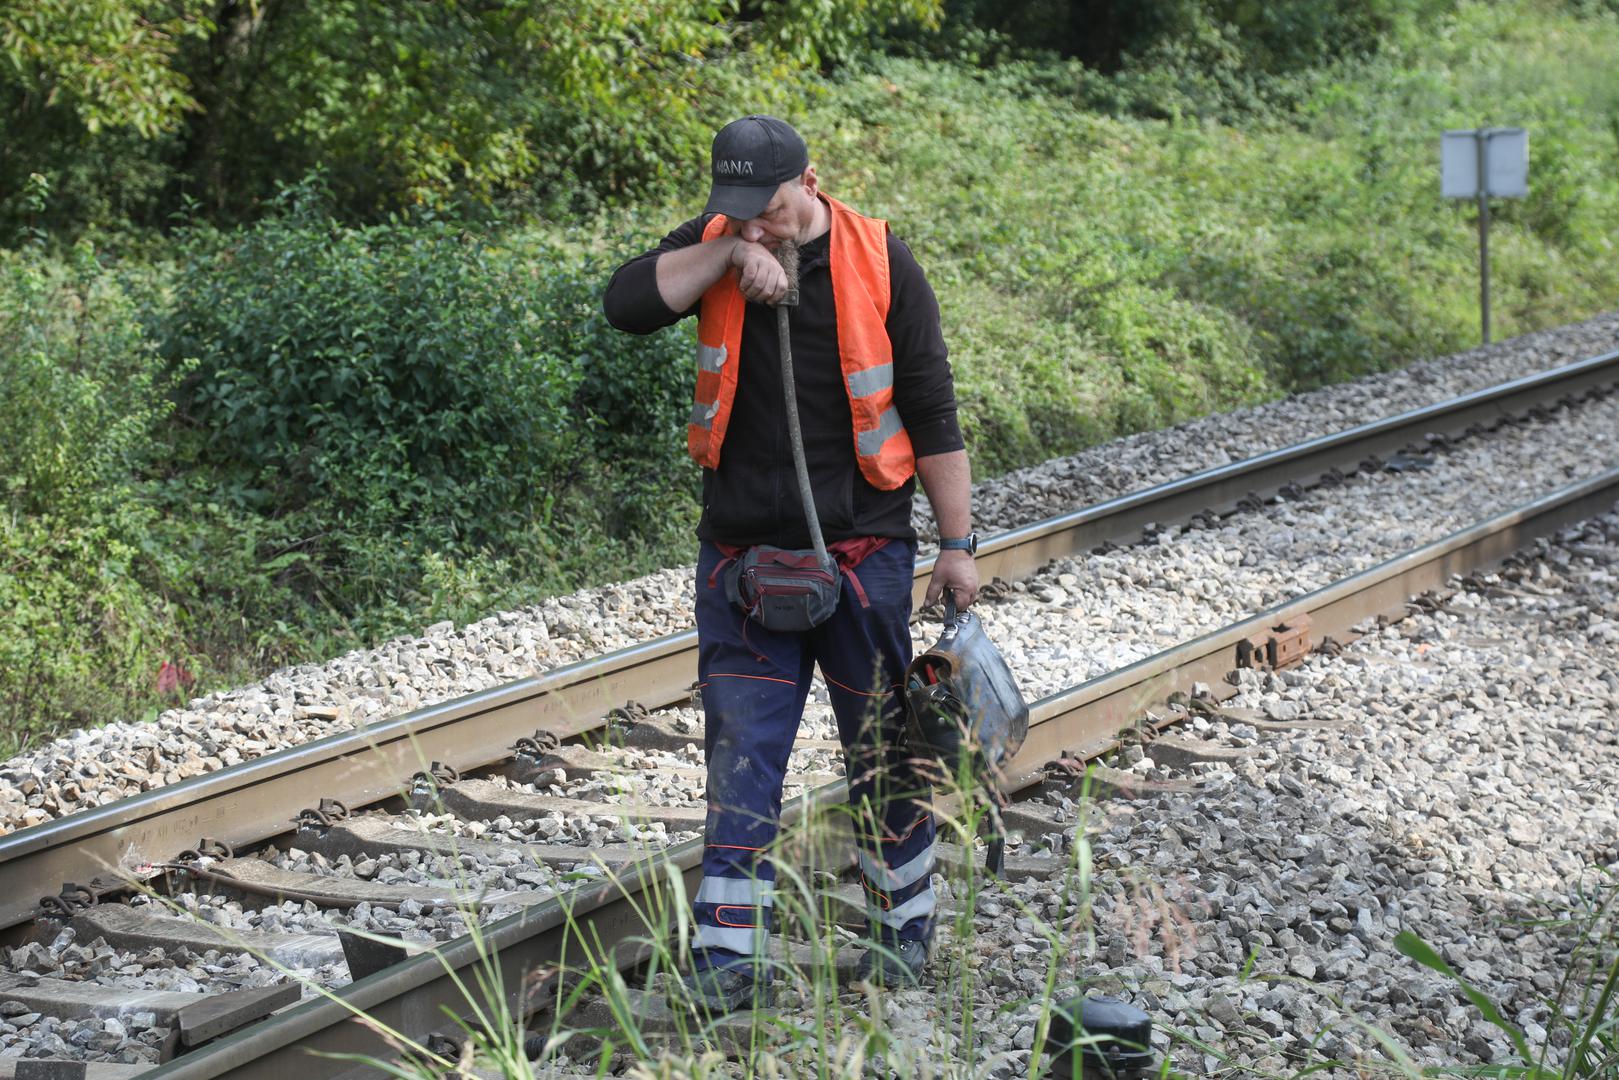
752,496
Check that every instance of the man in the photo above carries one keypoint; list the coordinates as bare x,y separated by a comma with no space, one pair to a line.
877,407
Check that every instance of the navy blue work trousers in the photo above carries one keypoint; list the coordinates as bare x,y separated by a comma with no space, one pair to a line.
753,684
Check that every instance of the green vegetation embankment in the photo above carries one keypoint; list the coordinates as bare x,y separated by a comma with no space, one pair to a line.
266,436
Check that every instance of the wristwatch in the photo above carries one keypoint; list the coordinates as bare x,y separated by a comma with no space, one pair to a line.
968,543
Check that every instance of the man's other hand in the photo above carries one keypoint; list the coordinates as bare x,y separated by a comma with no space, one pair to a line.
956,571
762,280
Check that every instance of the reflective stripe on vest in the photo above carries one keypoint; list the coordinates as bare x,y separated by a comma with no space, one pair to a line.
860,298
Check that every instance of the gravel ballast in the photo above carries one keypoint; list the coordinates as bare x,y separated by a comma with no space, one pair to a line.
298,704
1156,457
1451,775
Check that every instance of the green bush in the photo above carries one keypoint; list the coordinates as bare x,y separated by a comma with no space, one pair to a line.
82,392
376,428
416,416
80,386
398,378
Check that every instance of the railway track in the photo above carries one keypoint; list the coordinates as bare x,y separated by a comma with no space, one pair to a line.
253,803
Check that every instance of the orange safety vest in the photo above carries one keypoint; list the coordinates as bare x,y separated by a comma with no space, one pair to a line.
860,298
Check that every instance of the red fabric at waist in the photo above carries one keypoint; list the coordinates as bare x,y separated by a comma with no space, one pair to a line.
848,554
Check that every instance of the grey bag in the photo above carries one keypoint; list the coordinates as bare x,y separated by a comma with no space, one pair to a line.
784,590
964,705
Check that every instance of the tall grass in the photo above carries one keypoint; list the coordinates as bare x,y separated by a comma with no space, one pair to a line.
606,1014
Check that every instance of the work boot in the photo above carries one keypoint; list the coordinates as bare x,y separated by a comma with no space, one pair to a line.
714,991
896,964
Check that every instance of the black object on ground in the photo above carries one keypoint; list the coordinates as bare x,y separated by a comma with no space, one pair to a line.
716,991
1114,1039
367,955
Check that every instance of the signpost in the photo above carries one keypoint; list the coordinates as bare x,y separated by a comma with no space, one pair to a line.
1478,163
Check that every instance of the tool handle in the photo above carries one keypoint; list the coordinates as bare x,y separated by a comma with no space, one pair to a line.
788,255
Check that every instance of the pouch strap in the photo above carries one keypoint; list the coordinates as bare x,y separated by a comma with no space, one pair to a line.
852,552
848,554
729,553
859,589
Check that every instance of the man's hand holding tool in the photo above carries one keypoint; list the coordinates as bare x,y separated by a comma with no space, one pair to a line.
956,571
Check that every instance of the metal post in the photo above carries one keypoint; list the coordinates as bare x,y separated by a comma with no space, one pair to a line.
1481,137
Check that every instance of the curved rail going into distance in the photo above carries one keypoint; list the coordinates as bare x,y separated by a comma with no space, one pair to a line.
238,803
253,801
417,995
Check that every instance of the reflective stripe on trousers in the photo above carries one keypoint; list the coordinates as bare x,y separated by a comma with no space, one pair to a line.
754,684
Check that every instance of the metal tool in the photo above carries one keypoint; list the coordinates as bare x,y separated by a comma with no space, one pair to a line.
965,711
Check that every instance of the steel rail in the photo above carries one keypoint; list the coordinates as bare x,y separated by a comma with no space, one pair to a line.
249,802
1217,490
420,995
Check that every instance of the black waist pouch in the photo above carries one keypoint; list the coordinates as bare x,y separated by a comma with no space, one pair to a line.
784,590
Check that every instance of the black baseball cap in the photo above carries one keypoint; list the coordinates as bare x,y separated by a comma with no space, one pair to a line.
752,157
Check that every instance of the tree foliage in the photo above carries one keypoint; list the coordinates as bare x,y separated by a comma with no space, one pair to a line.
83,394
397,377
1108,35
826,32
427,103
110,62
417,103
1166,59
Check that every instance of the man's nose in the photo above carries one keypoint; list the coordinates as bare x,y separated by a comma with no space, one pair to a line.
752,231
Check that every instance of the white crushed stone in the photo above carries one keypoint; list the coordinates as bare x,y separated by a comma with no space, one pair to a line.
1083,617
88,768
1455,779
509,871
1456,782
135,1038
650,777
1157,457
575,830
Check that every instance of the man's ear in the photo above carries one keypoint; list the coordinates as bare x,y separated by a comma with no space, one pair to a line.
811,184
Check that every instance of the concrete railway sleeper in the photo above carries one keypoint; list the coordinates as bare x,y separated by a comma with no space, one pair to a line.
555,800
